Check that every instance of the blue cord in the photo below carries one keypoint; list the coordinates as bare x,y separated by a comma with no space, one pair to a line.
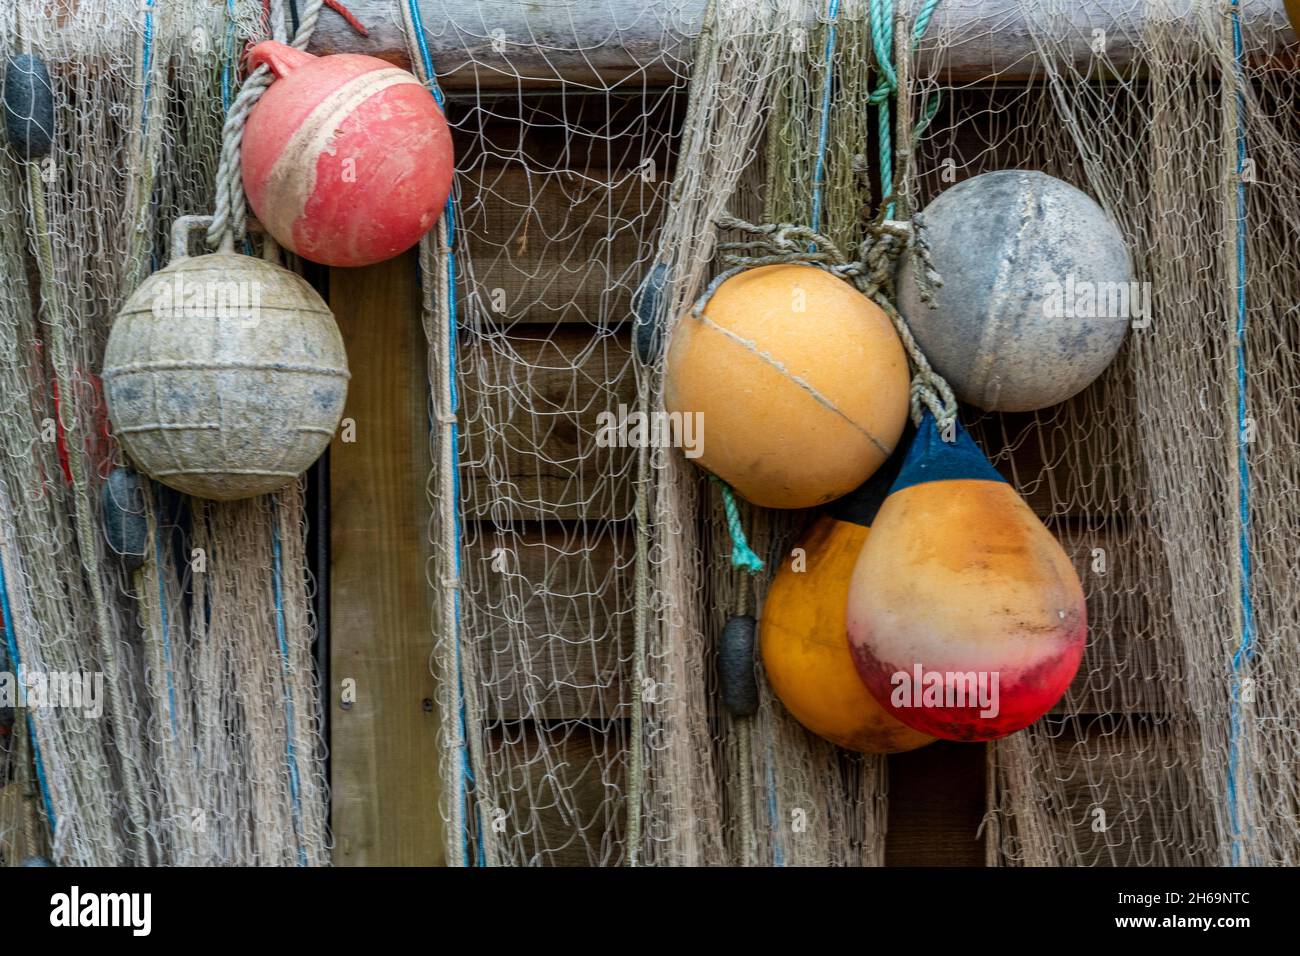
148,60
11,644
823,132
285,671
229,58
162,607
1245,651
449,214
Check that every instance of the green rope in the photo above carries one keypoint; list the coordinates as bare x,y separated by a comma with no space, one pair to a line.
882,42
742,556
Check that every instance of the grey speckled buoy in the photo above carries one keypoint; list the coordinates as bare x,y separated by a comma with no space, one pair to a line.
736,666
1033,273
126,528
645,306
28,106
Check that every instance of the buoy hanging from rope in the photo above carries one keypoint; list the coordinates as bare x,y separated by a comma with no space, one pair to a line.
346,159
225,374
803,629
799,379
966,618
647,320
1037,290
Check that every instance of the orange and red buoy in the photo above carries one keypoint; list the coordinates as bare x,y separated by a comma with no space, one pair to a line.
347,159
966,618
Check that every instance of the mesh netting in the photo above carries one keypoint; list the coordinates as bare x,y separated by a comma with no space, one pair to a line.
595,581
582,587
207,749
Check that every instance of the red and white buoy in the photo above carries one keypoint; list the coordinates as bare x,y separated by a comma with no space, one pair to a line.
347,159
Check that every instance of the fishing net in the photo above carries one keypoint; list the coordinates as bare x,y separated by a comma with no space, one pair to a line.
582,578
1171,480
207,749
593,584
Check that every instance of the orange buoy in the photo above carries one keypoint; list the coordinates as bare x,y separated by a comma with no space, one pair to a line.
803,630
347,159
799,381
966,618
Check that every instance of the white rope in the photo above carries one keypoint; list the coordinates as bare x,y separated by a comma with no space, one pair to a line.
230,214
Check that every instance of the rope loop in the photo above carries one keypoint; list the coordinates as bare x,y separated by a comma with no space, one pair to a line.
230,215
872,273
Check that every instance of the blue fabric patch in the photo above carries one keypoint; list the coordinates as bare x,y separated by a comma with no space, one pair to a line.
932,459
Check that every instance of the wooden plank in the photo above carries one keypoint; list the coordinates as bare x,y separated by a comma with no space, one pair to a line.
936,805
556,131
559,246
384,746
567,654
531,402
632,42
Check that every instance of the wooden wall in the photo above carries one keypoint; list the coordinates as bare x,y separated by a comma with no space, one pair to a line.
384,768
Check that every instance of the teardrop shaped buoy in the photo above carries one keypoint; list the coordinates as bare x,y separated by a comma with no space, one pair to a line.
736,666
29,106
646,302
126,526
347,159
966,618
803,629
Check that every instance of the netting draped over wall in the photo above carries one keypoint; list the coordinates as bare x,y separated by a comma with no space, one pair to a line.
207,747
595,580
582,579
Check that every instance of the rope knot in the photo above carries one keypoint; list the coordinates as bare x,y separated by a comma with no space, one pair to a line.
872,273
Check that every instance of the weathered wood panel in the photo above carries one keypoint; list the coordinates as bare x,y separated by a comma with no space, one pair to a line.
558,247
383,744
936,804
631,42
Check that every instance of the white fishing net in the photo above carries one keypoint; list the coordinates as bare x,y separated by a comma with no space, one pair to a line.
582,589
208,747
594,583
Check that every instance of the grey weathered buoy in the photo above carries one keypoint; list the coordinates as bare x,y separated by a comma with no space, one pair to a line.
648,328
28,106
1033,271
126,527
736,666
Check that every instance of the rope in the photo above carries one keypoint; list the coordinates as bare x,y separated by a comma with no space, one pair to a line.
230,215
742,556
450,464
1245,649
819,169
881,13
281,637
11,645
872,273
